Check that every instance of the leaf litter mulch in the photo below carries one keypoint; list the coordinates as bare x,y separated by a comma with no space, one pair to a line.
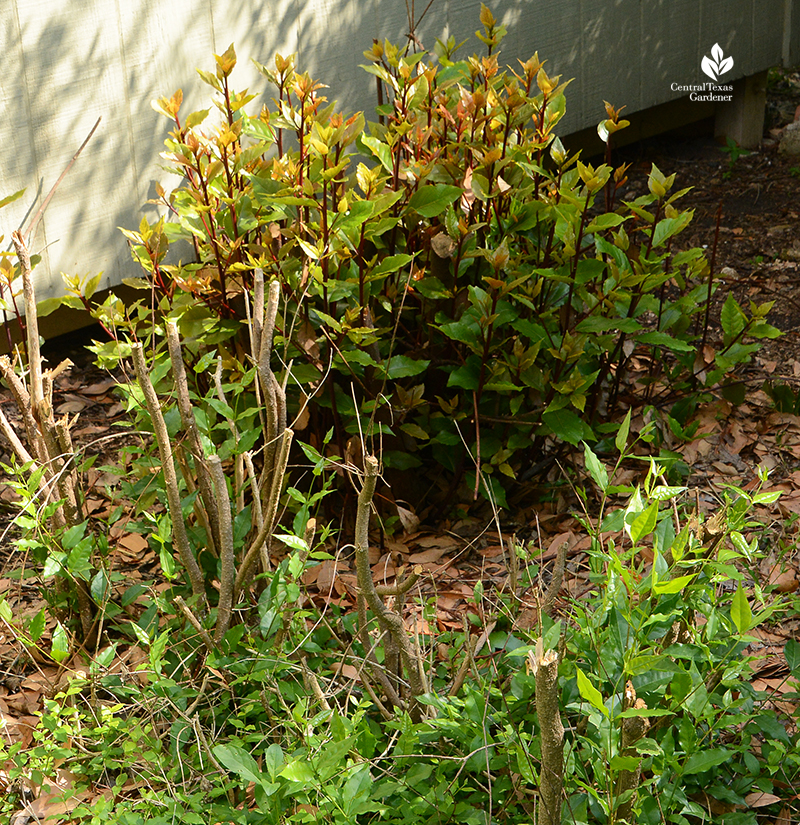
752,207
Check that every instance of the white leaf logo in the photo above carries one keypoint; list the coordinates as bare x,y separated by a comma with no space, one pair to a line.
717,64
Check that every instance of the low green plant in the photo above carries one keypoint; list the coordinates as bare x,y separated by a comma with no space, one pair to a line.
734,152
48,475
660,665
659,720
785,398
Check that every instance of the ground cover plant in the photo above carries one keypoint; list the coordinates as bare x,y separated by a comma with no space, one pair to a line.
341,309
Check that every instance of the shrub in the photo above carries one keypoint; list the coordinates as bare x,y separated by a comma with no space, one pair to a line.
470,294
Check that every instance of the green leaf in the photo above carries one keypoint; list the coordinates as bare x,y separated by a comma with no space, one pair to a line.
673,585
631,713
732,318
209,78
400,460
157,650
741,613
705,760
608,220
621,440
90,287
613,522
767,498
294,542
624,763
167,561
100,588
432,288
106,656
380,150
567,426
311,251
679,544
595,324
394,263
761,329
60,648
141,634
299,771
357,356
196,118
595,467
740,543
355,789
79,561
403,366
273,760
668,227
661,339
664,493
590,693
11,198
465,330
617,255
433,199
48,305
466,377
36,627
644,523
415,431
792,653
73,535
238,761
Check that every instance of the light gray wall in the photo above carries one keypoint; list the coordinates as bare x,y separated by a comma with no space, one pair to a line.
67,62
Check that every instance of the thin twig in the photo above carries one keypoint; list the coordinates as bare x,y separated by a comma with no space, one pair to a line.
37,217
195,623
31,325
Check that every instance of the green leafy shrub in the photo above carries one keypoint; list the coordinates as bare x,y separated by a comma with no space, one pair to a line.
462,289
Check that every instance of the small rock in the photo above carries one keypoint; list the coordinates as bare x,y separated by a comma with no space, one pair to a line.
790,142
728,272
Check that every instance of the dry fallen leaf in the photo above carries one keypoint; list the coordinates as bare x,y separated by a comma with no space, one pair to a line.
133,542
408,519
71,407
100,387
427,556
348,671
758,799
784,581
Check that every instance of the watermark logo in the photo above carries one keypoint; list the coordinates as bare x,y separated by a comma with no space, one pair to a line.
713,67
717,64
